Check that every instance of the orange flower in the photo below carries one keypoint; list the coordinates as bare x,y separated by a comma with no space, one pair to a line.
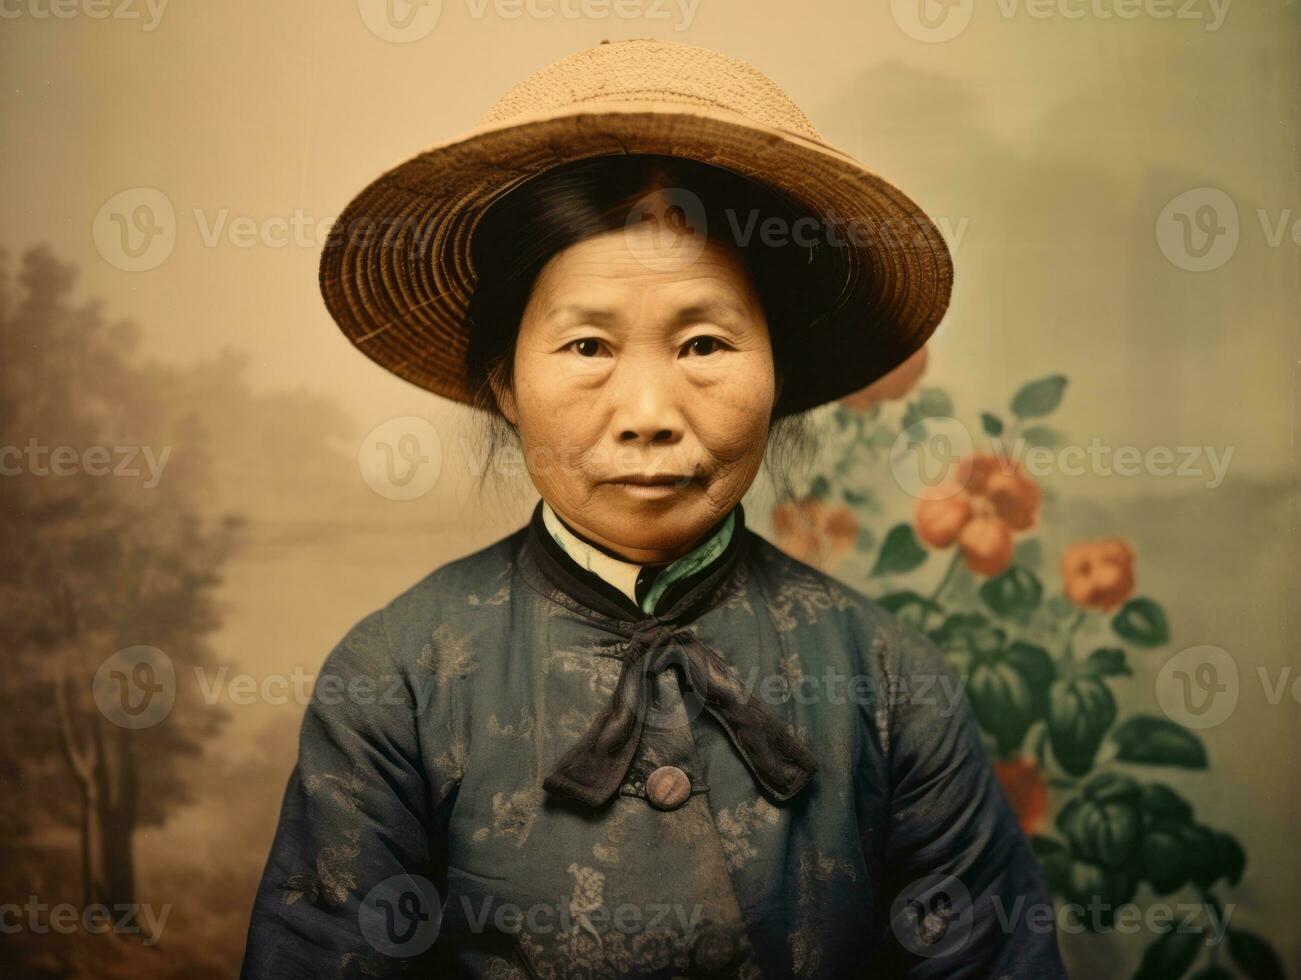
986,500
986,544
1099,574
1014,497
814,531
1025,791
890,387
940,520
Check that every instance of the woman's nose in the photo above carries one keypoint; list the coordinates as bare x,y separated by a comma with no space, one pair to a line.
645,406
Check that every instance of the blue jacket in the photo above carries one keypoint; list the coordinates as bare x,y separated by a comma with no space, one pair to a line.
800,791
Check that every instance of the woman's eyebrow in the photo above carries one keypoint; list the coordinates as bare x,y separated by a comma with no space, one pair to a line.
584,314
713,309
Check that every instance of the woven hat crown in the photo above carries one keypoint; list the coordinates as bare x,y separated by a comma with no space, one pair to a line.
647,70
403,295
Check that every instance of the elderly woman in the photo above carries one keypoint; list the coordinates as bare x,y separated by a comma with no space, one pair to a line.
633,738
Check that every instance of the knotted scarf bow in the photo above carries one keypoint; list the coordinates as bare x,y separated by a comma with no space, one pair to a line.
593,769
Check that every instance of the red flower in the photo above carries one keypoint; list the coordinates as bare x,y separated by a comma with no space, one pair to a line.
986,500
1025,791
1099,574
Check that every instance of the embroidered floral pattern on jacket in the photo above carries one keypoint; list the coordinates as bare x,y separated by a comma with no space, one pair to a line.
443,779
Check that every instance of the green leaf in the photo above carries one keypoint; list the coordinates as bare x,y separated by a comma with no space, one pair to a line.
1103,825
992,424
1254,956
1055,859
1176,853
1169,956
1036,667
1160,802
1015,594
913,416
1143,622
1080,710
821,488
1039,397
1156,741
969,633
1107,889
1107,787
901,552
853,496
909,606
1107,662
894,601
1003,703
1008,693
935,402
1041,435
1230,858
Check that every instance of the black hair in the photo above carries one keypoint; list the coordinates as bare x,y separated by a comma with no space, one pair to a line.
520,232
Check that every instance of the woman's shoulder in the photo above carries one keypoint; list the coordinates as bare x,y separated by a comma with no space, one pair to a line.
442,601
800,594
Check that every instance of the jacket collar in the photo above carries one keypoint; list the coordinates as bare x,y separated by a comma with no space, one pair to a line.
644,585
549,569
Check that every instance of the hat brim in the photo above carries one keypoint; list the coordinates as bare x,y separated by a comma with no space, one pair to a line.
397,277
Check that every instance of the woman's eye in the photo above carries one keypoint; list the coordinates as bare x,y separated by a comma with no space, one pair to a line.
586,346
703,345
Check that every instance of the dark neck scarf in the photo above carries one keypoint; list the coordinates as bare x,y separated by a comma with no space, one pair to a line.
593,769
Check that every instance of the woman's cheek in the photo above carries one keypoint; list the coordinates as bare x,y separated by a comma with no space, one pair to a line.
741,396
735,432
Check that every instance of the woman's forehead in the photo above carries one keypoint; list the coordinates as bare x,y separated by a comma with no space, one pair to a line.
613,311
601,277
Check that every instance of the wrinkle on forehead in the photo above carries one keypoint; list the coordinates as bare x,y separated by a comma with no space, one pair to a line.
606,276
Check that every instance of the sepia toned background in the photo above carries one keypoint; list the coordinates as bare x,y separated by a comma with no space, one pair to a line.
1118,184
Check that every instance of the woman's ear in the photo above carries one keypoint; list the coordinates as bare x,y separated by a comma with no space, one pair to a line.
501,391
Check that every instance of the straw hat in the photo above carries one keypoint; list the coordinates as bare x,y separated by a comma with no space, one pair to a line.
396,273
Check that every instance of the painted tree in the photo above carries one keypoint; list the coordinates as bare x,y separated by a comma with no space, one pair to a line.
106,548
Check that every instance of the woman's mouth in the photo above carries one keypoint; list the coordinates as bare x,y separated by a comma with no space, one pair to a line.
653,486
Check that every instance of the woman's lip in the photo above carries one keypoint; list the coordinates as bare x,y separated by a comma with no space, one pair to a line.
656,479
653,491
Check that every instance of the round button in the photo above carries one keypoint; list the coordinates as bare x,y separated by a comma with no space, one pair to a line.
667,788
714,951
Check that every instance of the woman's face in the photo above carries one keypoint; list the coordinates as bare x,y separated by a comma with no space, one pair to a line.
630,369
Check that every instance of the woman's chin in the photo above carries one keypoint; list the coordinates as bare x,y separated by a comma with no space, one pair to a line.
653,519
